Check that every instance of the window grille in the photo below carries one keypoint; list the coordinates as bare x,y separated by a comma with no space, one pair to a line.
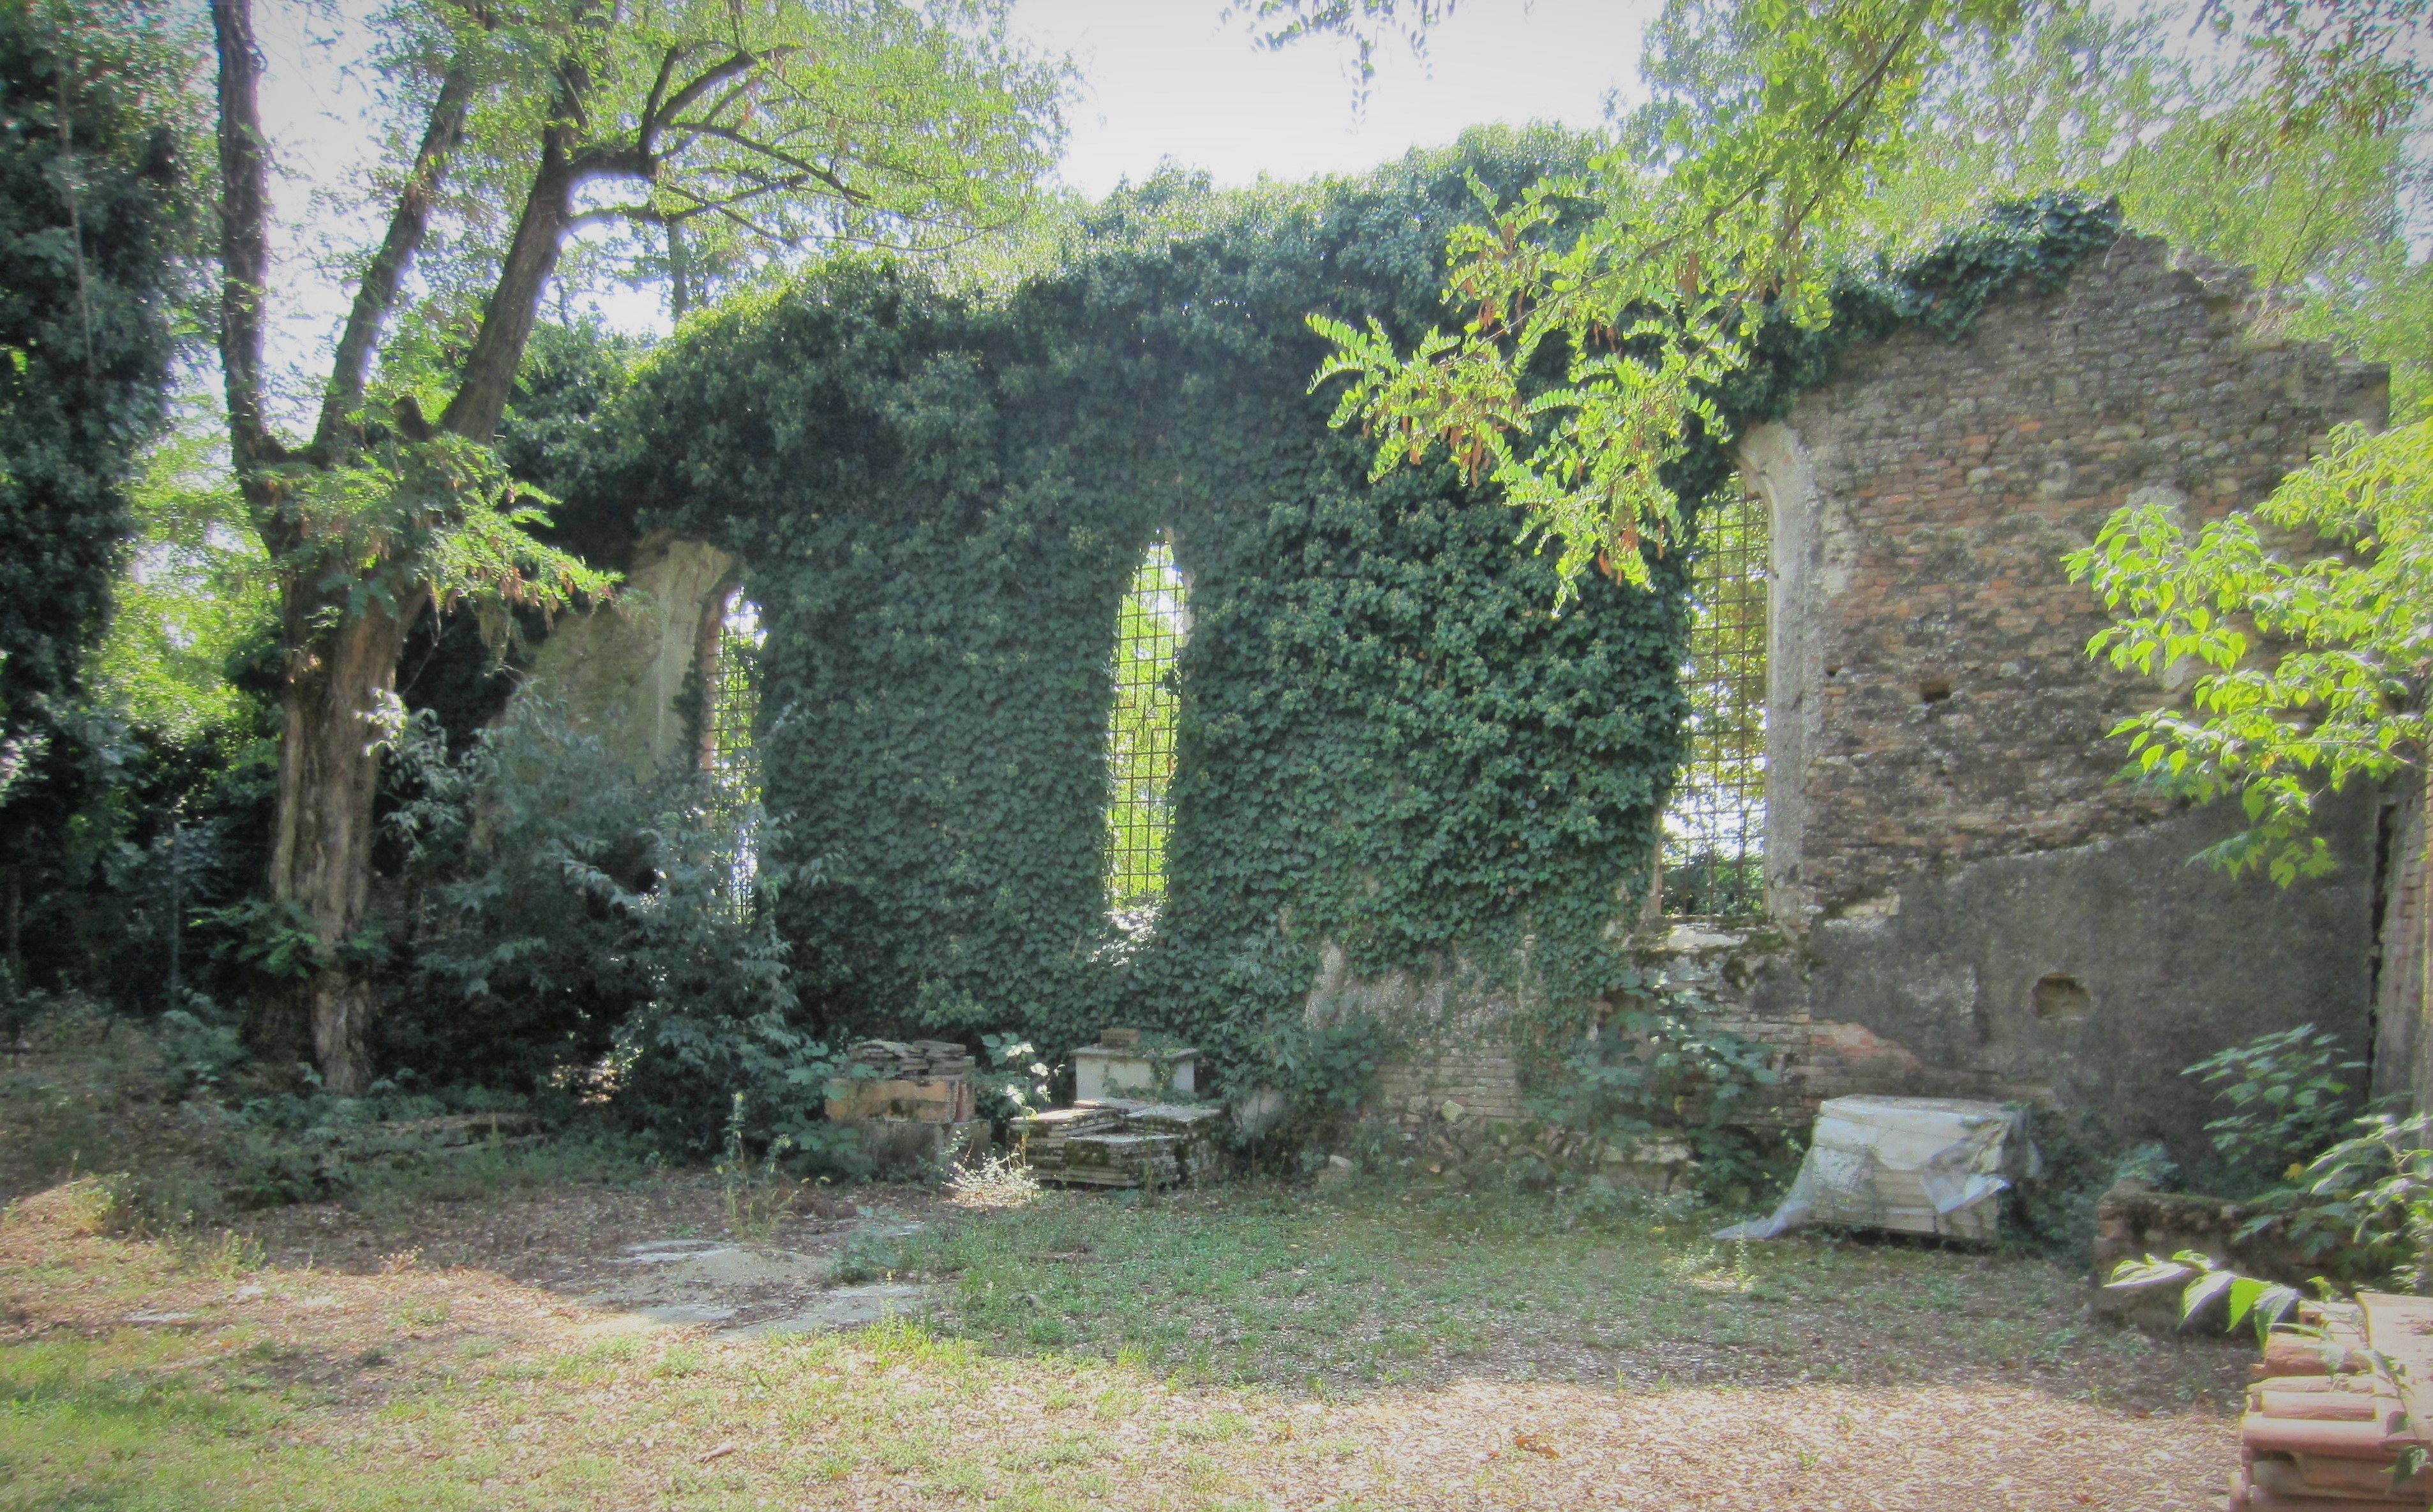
1149,630
730,759
1714,832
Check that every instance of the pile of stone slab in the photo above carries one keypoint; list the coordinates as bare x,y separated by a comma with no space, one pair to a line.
913,1106
2324,1431
927,1081
902,1060
1120,1142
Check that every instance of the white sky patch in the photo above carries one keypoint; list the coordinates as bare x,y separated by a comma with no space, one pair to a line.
1162,80
1174,79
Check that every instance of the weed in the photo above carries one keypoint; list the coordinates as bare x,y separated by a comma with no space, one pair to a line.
866,1257
996,1181
232,1254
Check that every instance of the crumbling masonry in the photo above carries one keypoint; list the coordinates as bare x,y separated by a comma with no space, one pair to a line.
1962,898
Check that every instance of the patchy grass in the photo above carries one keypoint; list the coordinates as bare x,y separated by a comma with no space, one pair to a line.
1401,1286
436,1337
136,1374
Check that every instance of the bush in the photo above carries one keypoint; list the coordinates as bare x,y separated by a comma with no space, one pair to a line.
576,926
1662,1068
2290,1096
1325,1074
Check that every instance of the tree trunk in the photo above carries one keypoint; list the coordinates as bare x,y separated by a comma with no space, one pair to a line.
329,774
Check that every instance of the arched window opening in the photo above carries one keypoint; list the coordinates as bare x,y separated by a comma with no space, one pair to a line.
1149,630
729,758
1714,832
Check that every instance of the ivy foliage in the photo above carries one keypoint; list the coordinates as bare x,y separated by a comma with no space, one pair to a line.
1388,744
1395,755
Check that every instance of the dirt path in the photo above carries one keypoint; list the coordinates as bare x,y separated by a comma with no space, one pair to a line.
658,1255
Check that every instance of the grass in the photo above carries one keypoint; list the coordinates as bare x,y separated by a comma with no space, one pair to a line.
1386,1345
1253,1347
1399,1285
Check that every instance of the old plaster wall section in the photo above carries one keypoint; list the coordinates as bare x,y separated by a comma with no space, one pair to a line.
623,671
1776,467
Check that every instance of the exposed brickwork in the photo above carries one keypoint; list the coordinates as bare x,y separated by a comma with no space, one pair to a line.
1967,903
1483,1081
1955,714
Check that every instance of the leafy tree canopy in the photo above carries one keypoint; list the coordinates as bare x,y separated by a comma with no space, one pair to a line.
1773,124
95,115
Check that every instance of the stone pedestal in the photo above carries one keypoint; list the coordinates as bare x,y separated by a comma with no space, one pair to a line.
914,1147
1121,1065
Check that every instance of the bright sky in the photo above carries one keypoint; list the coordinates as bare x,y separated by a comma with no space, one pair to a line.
1163,79
1172,78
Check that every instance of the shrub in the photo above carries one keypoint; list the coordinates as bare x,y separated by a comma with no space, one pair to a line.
2290,1096
574,925
1663,1067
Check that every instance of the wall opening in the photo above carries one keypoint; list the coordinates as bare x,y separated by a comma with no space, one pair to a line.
1151,626
729,757
2061,997
1714,832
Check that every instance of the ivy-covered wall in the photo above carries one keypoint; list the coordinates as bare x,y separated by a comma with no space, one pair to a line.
1389,743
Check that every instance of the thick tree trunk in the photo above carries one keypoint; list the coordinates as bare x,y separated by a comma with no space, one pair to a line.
342,662
329,774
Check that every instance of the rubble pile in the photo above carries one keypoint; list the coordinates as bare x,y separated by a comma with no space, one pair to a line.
895,1061
927,1082
2324,1430
1120,1142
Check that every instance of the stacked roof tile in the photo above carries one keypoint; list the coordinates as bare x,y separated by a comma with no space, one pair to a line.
2326,1431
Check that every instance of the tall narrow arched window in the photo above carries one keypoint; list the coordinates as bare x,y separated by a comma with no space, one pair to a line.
1149,630
729,758
1714,832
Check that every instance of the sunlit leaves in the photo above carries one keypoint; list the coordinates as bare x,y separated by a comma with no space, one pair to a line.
2304,631
1648,301
2264,1303
749,132
440,518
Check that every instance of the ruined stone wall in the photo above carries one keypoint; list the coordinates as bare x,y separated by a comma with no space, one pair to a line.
1964,901
1984,909
622,671
1930,659
2403,1051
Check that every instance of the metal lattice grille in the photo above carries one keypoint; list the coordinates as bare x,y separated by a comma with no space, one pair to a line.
729,756
1714,833
1149,630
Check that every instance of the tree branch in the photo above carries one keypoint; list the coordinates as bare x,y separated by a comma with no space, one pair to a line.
738,65
377,294
481,398
658,87
245,242
774,154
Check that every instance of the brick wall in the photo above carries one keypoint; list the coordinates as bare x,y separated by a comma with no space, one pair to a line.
1939,674
1481,1082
